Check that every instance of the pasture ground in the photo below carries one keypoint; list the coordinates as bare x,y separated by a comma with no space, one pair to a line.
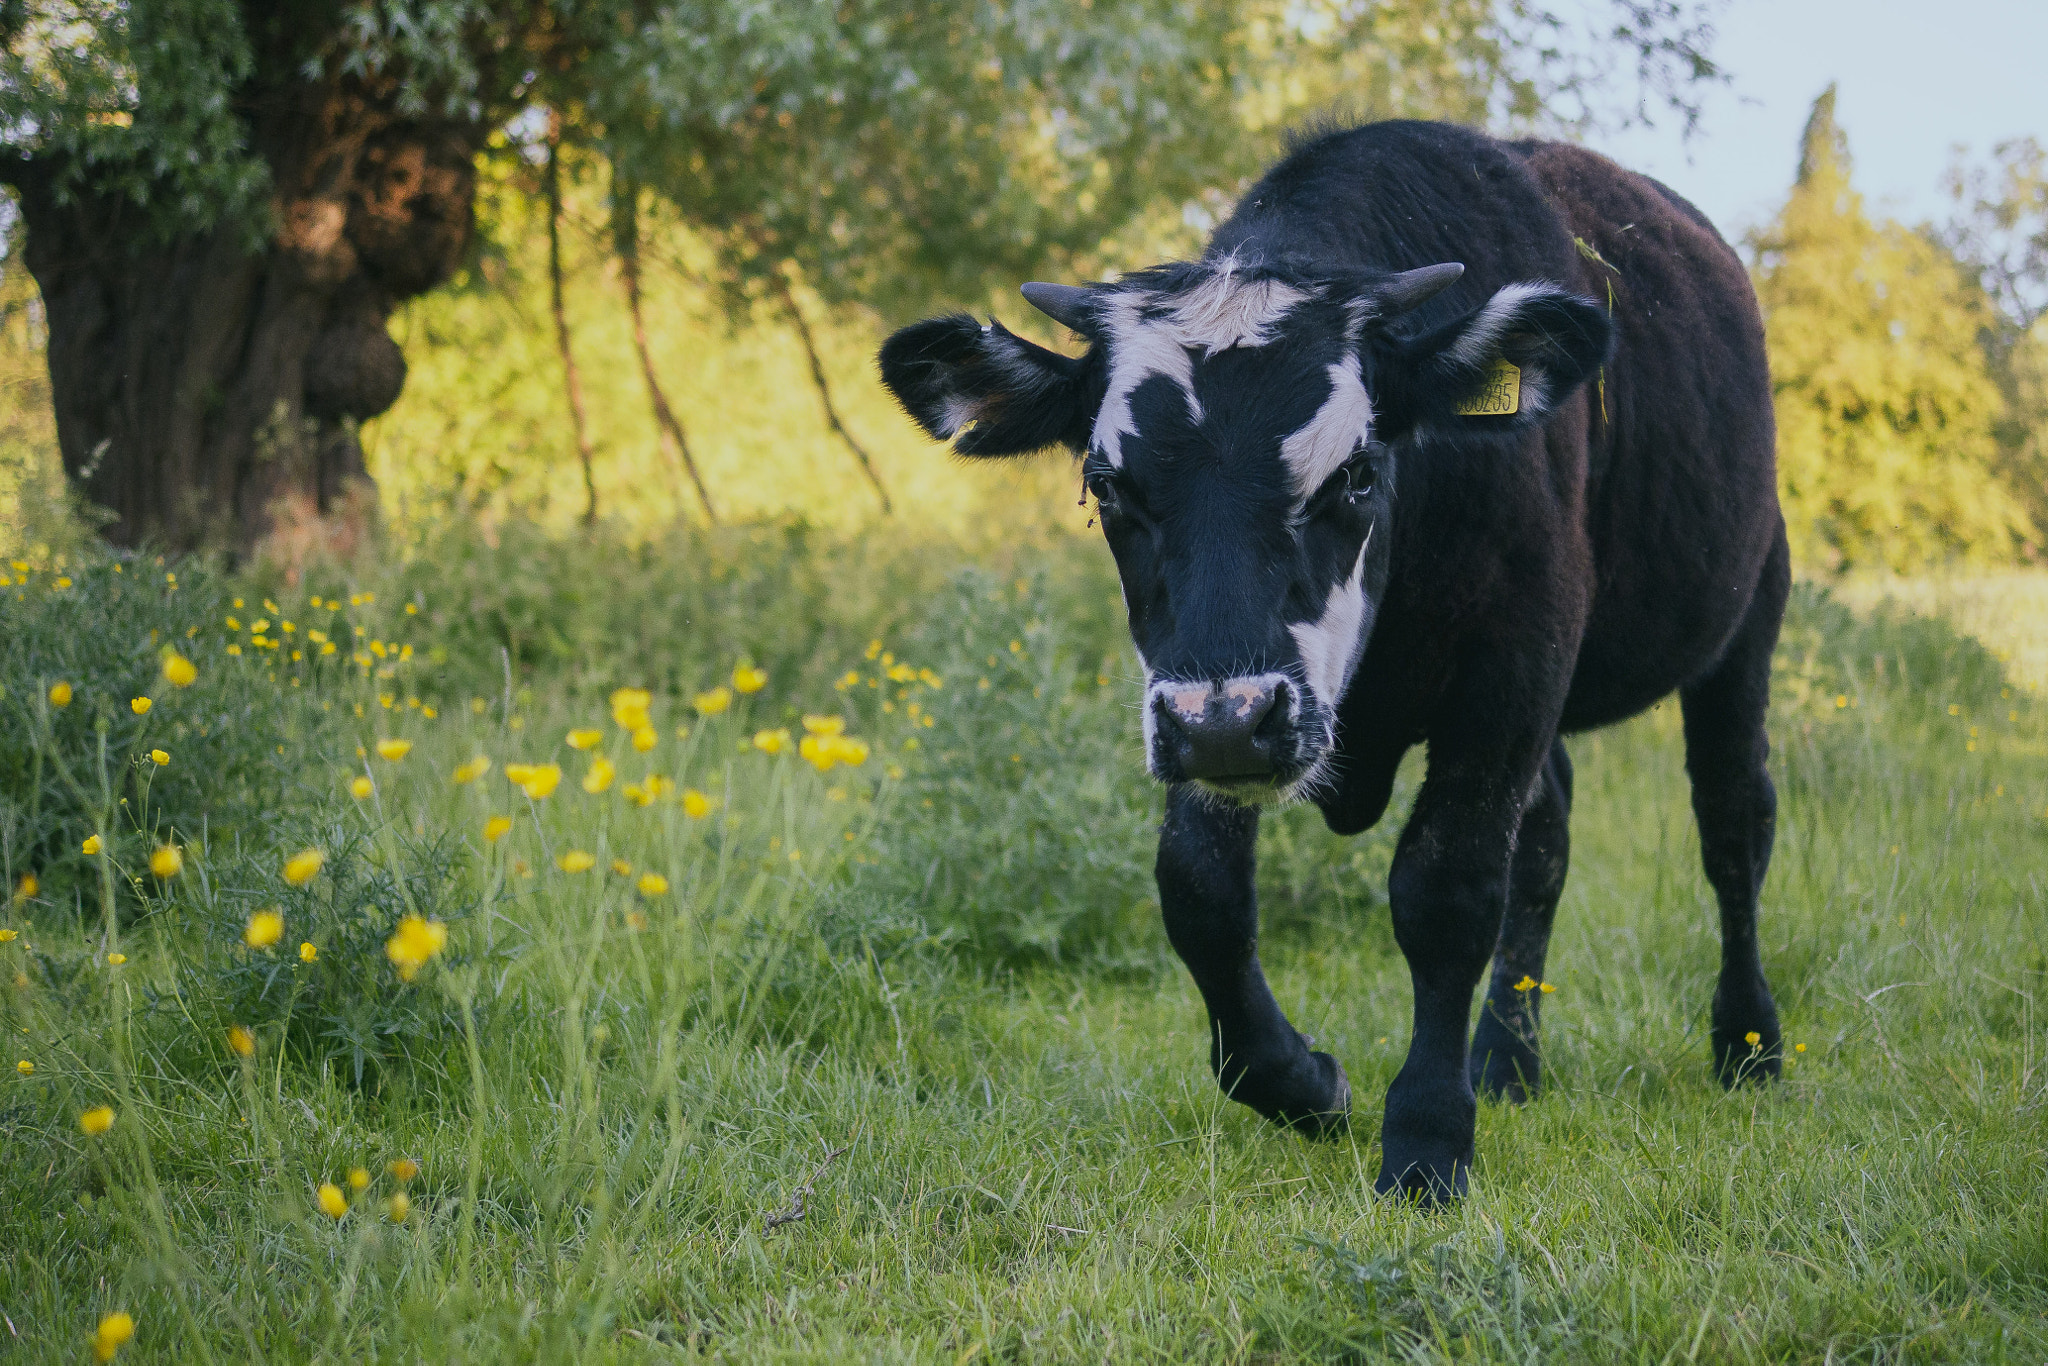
938,960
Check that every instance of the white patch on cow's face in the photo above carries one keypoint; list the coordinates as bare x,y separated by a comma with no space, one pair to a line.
1329,644
1482,337
1222,311
1328,439
1138,350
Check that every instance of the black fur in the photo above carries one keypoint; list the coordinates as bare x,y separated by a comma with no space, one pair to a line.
1524,577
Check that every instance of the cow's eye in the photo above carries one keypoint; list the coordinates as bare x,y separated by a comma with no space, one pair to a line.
1361,474
1102,489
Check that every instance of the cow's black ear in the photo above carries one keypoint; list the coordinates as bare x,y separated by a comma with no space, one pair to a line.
986,389
1505,365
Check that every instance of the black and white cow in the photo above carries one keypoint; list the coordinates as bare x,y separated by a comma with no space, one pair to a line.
1362,499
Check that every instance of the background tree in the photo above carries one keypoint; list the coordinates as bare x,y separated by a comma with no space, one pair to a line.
1887,411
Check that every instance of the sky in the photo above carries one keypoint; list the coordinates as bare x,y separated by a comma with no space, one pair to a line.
1915,78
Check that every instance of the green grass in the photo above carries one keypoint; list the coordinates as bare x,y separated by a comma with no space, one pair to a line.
608,1093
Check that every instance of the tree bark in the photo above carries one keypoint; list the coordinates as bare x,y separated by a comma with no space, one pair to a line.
626,242
208,388
803,330
572,379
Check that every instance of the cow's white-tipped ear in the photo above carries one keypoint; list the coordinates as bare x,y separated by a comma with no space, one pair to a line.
1507,364
986,389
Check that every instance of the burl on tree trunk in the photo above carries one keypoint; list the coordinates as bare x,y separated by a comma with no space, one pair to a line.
208,387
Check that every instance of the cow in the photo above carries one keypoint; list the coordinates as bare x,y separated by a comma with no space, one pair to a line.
1444,440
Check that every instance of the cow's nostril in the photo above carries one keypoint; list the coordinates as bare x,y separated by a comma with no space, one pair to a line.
1271,719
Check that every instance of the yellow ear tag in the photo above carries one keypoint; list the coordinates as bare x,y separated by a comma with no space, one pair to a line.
1501,395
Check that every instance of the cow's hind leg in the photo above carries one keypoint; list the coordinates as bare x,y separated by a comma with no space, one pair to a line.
1726,749
1207,854
1505,1061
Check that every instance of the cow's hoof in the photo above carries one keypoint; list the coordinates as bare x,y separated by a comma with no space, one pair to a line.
1427,1186
1426,1139
1504,1066
1330,1116
1747,1044
1307,1093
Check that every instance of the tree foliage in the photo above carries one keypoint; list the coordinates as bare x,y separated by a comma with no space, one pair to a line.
1887,410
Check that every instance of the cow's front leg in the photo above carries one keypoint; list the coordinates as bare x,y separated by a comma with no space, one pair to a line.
1448,889
1207,857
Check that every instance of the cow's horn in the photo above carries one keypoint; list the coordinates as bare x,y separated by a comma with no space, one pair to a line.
1412,288
1062,303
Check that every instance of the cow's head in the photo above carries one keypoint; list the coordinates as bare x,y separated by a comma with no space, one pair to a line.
1238,427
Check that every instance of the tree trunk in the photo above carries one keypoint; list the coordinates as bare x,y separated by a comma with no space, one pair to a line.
571,378
208,389
803,330
626,241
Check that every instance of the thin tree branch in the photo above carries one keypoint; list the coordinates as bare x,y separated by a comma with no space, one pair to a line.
803,330
572,379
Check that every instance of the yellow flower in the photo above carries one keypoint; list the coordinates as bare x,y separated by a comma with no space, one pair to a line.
1798,1048
824,751
92,845
1547,988
167,862
622,868
114,1330
362,787
180,670
7,936
636,921
902,673
653,884
25,1067
27,887
584,739
825,725
160,758
577,861
404,1168
537,780
1752,1038
307,952
264,929
629,707
695,804
495,828
1527,983
417,941
713,702
771,741
332,1202
139,705
97,1120
400,1206
358,1178
393,749
117,959
471,771
749,680
60,694
302,867
241,1041
645,738
600,776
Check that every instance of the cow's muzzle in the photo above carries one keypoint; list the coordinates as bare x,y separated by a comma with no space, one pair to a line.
1236,733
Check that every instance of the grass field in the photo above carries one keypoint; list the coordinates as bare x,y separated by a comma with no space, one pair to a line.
907,982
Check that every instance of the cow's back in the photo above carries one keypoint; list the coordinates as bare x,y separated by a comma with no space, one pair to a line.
1682,488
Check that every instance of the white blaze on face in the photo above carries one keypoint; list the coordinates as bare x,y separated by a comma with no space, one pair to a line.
1329,644
1220,312
1314,451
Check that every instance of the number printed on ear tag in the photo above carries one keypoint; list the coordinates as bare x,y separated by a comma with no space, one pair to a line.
1501,395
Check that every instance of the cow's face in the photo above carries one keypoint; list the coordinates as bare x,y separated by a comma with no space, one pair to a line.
1239,430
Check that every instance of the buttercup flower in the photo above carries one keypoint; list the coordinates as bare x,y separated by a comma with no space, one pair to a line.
26,888
117,959
399,1206
361,789
92,845
1527,983
60,694
629,707
417,941
495,828
97,1120
577,861
538,780
332,1202
1546,987
584,739
713,702
646,738
471,771
180,670
695,804
824,751
825,725
771,741
404,1168
600,776
653,884
622,868
749,680
264,929
393,749
241,1041
139,705
1752,1038
167,862
307,952
160,758
301,867
114,1330
358,1178
7,936
25,1067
